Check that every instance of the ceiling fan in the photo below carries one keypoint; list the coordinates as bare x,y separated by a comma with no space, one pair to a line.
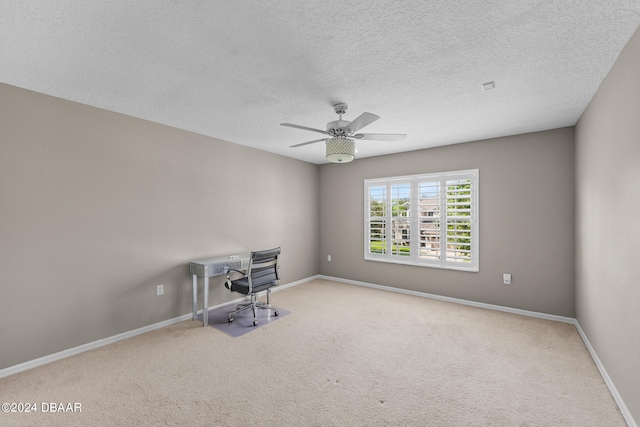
341,134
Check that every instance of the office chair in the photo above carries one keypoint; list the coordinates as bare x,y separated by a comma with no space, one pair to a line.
262,274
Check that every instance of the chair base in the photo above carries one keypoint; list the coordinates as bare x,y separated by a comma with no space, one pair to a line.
254,305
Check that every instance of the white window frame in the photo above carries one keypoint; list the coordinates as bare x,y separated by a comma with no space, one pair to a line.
449,255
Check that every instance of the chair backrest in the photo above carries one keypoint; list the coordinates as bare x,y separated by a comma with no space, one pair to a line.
264,267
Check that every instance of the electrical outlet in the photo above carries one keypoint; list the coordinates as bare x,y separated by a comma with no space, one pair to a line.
506,278
328,257
160,290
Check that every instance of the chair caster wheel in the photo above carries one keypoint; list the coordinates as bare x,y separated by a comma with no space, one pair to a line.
276,313
230,319
255,323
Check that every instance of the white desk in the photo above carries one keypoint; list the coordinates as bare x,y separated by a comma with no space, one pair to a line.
209,267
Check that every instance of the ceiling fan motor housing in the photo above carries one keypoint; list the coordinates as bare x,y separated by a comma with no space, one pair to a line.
338,128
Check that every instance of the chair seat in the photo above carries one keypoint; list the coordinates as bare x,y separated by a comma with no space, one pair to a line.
242,286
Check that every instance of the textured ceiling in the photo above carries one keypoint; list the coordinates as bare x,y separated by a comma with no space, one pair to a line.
235,70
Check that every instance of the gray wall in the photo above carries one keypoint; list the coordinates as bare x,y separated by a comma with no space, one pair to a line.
526,216
608,224
98,208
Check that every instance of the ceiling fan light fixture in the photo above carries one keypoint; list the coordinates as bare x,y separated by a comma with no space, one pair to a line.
341,149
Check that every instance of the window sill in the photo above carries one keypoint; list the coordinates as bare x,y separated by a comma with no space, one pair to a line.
470,269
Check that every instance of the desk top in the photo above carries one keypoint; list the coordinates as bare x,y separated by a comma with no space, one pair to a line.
218,265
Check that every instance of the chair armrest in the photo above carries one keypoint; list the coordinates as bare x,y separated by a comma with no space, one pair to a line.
227,283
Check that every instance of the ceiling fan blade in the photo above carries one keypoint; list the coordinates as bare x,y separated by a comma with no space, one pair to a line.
361,121
380,136
305,128
307,143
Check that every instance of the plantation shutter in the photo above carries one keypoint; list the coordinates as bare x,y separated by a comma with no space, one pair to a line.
429,221
400,239
376,219
460,220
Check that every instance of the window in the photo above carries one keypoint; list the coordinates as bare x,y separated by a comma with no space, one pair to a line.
429,220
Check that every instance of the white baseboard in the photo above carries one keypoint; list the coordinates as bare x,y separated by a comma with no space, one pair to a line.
89,346
296,283
603,372
455,300
607,379
129,334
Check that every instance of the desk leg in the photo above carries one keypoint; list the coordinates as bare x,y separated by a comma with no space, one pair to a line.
194,280
205,303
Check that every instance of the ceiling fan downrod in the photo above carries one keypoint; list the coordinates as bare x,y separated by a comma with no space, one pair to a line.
338,127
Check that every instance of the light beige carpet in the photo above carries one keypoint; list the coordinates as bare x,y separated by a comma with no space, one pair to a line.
346,356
